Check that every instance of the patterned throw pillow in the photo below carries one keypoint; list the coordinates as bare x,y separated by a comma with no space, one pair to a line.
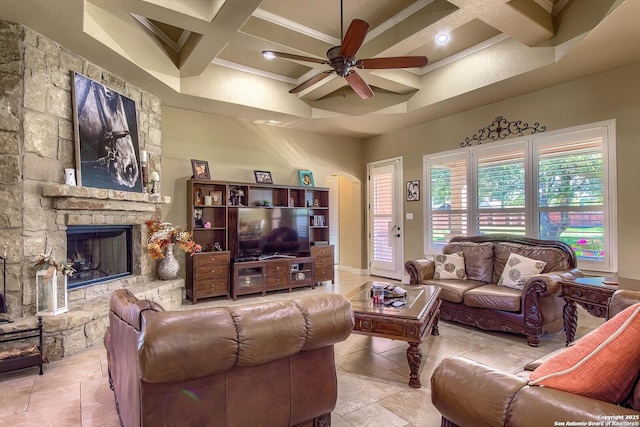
449,266
518,270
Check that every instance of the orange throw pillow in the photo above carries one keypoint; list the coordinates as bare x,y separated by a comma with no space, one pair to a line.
602,365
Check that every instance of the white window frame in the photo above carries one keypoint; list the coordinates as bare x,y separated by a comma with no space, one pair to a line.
531,143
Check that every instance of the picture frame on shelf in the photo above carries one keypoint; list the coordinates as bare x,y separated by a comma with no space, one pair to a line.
306,178
216,198
263,177
198,221
198,197
413,191
200,169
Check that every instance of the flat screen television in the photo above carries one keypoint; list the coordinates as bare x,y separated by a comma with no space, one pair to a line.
272,231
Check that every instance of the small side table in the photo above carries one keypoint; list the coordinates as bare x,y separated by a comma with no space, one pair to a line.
593,294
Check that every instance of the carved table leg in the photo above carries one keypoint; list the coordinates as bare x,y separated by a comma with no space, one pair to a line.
414,357
570,318
434,328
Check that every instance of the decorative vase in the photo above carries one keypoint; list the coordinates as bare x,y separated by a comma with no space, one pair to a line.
168,266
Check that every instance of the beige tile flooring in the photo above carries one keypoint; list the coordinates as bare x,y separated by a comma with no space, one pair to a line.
372,374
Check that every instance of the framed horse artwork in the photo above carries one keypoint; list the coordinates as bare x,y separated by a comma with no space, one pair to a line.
106,133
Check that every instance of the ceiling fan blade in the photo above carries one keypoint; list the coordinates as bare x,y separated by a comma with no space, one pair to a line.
392,62
293,57
313,80
354,38
358,85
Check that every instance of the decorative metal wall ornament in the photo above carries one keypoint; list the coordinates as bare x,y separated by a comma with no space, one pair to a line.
501,128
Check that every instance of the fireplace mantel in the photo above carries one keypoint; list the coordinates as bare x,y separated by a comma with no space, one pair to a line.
71,197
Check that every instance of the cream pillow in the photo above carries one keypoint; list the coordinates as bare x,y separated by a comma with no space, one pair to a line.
449,266
518,270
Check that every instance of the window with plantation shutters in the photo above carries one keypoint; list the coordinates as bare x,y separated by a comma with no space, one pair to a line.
560,186
500,190
572,182
447,198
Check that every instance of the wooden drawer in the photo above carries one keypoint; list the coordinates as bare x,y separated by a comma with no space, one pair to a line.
277,273
324,273
586,295
322,251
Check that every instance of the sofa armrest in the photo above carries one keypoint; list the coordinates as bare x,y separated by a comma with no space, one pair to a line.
419,270
549,283
469,393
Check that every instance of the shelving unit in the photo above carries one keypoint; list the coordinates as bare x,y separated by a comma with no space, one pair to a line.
317,200
219,239
207,272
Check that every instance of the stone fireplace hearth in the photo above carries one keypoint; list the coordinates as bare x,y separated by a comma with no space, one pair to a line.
36,144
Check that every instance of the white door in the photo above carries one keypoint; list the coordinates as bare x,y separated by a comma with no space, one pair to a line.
385,219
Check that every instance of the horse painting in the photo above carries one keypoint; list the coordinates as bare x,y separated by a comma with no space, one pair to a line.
107,137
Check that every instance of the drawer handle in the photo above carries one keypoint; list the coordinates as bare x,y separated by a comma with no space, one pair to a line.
213,271
578,292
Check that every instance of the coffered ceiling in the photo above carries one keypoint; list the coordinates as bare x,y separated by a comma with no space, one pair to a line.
205,55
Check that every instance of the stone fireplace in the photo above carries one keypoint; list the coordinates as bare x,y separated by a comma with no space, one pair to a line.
36,144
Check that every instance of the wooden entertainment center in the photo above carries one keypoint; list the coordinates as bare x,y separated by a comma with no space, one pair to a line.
229,219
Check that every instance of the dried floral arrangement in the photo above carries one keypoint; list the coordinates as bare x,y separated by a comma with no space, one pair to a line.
160,234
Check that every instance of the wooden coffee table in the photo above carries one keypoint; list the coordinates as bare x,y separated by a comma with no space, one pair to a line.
409,323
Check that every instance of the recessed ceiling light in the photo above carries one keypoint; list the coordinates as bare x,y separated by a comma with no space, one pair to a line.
268,54
442,38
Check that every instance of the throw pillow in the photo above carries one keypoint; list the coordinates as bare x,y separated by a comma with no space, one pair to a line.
449,266
518,270
602,365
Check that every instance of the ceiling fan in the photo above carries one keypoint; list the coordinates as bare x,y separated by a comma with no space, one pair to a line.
343,62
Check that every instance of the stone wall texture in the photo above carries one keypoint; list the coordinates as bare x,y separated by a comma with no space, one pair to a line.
36,144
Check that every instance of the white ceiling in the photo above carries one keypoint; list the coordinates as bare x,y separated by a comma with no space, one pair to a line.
205,55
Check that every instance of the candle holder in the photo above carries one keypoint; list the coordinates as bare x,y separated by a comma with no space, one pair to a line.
155,182
144,165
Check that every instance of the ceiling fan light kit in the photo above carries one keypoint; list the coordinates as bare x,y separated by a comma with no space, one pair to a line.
342,60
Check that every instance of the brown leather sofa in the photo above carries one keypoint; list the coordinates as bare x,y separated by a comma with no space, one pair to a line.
267,364
470,394
478,300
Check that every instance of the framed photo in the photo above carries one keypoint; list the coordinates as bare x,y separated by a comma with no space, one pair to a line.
216,198
106,137
263,177
306,178
198,197
413,191
198,221
200,169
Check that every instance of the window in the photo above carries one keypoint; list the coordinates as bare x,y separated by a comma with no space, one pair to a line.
560,186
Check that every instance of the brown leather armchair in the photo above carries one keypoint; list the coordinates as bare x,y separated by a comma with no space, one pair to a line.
470,394
267,364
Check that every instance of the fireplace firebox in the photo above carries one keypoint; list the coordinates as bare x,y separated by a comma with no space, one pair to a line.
98,253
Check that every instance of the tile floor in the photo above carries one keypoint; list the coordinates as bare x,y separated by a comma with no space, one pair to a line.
372,374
